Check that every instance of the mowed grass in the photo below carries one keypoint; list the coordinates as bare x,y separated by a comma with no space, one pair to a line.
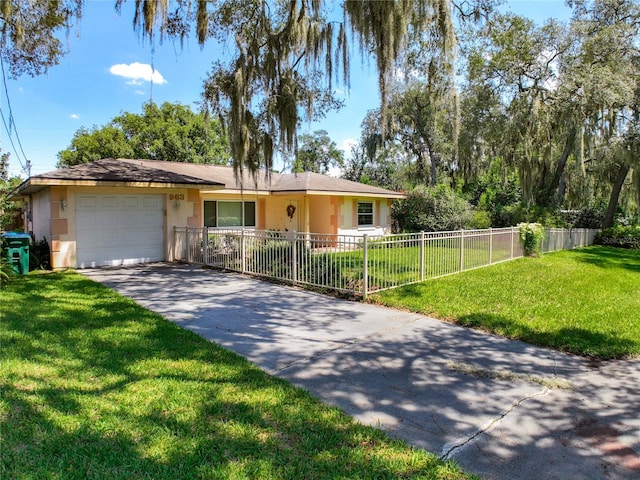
584,301
94,386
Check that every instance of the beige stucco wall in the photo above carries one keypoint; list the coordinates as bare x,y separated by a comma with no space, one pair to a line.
40,208
276,213
63,250
348,213
324,213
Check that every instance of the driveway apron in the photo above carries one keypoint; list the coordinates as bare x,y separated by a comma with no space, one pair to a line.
501,409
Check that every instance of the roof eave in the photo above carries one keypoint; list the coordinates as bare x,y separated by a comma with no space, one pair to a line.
35,185
238,191
393,195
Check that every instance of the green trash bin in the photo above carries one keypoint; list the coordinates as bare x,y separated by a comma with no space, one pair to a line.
15,248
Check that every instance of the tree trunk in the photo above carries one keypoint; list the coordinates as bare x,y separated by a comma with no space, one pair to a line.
548,194
615,196
420,162
434,168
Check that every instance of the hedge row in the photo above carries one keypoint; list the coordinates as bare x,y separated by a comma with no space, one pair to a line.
624,237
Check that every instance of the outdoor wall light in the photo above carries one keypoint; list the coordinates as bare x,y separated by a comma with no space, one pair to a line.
63,204
176,205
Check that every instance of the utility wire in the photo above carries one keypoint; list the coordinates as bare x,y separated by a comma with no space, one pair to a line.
6,127
12,121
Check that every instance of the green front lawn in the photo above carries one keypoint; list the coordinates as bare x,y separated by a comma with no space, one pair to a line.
584,301
94,386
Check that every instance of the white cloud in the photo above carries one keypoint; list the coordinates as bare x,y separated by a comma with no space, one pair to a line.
137,73
74,116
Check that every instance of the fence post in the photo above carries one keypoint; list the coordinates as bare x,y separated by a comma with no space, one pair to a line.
365,266
175,244
490,244
294,258
461,250
205,245
243,251
511,251
188,245
422,254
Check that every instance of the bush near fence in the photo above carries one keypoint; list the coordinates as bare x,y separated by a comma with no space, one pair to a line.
620,236
360,265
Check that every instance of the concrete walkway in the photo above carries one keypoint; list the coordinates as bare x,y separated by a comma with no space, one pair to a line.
502,409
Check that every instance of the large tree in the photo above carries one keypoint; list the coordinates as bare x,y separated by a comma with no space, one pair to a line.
170,132
518,62
375,162
317,153
557,102
609,78
29,33
286,56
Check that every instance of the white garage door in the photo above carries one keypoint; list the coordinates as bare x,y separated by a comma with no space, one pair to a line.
116,230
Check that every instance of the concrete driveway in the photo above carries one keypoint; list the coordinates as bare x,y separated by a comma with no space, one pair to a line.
502,409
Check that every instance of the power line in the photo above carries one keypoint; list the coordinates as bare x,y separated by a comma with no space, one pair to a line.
12,121
6,127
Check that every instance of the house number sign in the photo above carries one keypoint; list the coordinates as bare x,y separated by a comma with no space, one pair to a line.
176,196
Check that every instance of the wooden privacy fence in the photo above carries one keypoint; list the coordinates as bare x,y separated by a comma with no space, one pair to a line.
359,265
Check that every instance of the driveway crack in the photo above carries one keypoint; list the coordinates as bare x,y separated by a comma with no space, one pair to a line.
451,447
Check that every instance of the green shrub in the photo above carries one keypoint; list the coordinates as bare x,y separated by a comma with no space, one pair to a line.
497,189
507,216
272,257
6,271
431,210
480,220
516,214
531,235
623,237
590,216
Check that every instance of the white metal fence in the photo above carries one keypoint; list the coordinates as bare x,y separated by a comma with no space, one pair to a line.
359,264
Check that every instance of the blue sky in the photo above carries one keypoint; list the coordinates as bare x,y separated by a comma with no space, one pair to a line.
106,72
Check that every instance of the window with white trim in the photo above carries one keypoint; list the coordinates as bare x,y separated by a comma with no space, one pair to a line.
218,213
365,214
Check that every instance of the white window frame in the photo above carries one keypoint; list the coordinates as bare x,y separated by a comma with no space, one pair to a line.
371,214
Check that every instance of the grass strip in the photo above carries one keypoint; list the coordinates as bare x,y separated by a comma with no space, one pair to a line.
584,301
95,386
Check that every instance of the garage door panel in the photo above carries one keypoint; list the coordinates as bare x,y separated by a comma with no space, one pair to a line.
111,202
87,202
131,202
152,202
119,229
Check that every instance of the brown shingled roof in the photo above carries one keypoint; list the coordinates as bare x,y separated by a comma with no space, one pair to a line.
117,170
315,182
289,182
157,173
